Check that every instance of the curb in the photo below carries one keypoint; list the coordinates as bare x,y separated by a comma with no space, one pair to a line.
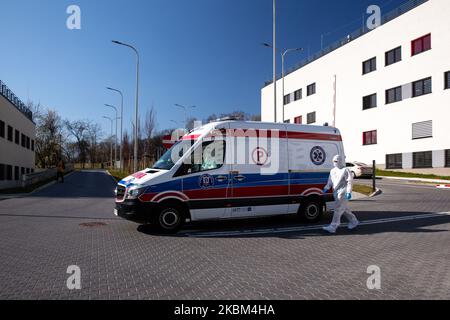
416,179
443,186
22,195
376,193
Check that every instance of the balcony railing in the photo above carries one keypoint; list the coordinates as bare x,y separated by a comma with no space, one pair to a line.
408,6
16,102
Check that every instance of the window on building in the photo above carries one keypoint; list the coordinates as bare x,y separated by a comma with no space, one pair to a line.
422,130
393,56
287,99
9,173
447,80
10,133
370,101
298,120
421,45
28,170
422,87
2,129
22,170
17,137
298,95
24,140
394,161
287,121
28,143
369,65
370,137
16,173
2,172
311,117
311,89
447,158
394,95
32,145
423,159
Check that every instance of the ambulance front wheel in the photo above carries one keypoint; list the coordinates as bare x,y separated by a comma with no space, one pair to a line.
311,209
169,218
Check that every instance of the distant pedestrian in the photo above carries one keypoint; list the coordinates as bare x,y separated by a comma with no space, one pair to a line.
60,171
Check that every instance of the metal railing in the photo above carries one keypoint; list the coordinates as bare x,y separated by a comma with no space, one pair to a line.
16,102
36,177
404,8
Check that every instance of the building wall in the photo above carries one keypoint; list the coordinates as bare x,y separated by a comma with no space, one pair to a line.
11,153
393,122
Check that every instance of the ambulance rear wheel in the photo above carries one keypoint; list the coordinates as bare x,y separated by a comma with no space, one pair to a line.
311,210
169,218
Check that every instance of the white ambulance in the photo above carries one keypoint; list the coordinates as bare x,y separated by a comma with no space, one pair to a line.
231,170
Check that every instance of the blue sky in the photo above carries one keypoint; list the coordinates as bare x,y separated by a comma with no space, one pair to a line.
206,53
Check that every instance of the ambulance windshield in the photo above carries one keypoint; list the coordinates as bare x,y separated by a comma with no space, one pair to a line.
168,160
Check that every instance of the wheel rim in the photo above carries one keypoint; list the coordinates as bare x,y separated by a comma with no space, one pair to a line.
169,218
312,211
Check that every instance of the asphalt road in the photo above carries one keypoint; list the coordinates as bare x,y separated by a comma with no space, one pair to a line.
406,232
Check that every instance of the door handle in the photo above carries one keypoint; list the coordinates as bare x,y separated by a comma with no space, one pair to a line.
221,178
239,178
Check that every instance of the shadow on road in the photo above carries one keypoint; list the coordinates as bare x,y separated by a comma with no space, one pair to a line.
81,184
273,227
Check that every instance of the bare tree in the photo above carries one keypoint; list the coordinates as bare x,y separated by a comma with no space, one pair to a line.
79,130
49,132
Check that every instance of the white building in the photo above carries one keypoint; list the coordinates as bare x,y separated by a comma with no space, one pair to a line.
387,90
17,136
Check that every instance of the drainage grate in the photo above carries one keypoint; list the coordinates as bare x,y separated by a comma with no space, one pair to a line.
93,224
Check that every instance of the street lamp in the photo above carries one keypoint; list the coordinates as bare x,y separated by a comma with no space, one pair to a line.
185,111
274,34
136,100
110,119
115,144
283,54
121,126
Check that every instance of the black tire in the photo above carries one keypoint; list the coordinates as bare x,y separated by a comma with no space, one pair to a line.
311,210
170,218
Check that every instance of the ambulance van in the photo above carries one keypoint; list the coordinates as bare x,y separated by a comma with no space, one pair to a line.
234,170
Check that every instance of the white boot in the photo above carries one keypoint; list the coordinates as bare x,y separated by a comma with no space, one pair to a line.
330,229
352,225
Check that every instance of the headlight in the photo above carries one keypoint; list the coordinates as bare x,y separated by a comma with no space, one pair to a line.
134,192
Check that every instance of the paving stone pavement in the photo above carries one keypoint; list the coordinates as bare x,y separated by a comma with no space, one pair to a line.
40,236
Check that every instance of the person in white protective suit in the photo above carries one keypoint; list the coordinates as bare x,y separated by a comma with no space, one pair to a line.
341,181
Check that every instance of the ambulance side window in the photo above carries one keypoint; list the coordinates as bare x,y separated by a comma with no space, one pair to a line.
210,156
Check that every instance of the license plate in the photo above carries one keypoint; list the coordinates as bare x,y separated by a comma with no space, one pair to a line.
116,212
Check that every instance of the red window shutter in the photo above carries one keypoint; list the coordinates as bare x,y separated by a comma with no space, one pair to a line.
427,42
374,137
298,120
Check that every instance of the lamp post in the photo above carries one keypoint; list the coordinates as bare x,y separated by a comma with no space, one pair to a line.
110,119
185,112
115,140
274,33
136,101
283,55
121,127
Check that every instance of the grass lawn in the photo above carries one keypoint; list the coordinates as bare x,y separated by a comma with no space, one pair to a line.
367,190
410,175
119,175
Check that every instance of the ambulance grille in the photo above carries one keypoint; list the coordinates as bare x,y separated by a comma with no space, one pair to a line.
120,193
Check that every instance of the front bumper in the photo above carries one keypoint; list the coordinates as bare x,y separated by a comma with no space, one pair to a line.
135,210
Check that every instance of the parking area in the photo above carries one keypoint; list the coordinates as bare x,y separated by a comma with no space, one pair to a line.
405,232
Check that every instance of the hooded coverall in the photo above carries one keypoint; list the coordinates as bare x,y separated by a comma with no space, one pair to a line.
341,181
